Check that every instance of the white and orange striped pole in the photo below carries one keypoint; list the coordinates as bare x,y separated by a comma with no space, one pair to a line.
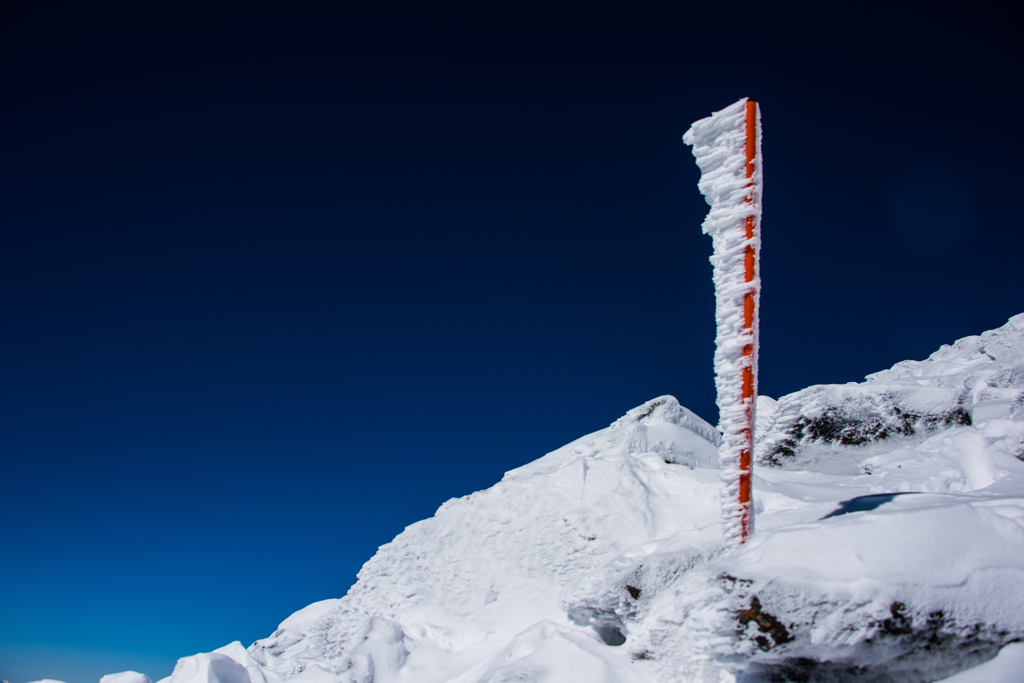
727,148
749,323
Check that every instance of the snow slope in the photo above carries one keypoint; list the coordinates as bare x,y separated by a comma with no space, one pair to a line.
890,547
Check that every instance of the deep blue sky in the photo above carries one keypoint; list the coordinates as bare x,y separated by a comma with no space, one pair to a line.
276,283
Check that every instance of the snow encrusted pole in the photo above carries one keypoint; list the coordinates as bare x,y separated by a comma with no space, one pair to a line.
727,146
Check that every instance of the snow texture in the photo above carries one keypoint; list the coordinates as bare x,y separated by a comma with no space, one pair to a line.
896,558
833,427
126,677
1007,666
719,145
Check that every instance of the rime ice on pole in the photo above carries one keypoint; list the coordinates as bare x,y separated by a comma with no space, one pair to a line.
720,146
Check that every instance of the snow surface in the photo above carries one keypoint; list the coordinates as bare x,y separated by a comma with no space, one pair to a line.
1007,666
126,677
719,145
977,380
893,558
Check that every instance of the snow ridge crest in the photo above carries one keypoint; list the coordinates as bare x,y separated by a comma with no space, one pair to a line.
668,409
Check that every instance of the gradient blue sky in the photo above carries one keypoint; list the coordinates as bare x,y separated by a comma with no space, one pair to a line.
276,283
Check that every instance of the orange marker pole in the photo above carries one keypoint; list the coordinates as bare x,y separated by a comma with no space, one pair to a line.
750,362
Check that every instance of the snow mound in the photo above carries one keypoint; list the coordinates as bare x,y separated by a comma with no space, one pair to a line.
989,367
228,664
126,677
977,379
895,555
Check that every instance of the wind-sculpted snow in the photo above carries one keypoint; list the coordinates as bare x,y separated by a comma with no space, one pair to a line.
914,590
977,379
126,677
989,367
897,555
809,426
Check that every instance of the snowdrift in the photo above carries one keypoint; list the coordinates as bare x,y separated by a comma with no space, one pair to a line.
890,547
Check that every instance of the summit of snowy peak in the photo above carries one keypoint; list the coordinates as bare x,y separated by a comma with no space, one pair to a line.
660,427
488,567
668,409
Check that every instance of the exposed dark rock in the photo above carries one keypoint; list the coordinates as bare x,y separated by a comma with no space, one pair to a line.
857,415
776,632
898,624
907,647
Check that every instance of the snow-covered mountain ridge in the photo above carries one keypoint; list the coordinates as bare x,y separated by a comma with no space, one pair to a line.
889,547
977,379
